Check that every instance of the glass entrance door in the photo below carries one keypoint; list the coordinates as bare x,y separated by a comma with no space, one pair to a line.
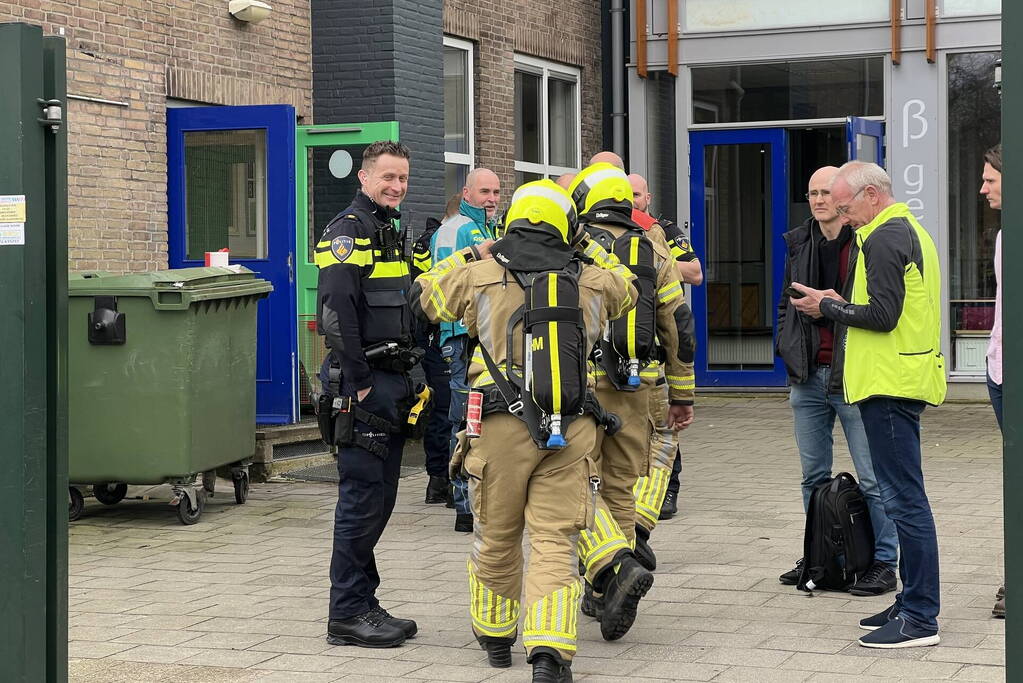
739,213
327,162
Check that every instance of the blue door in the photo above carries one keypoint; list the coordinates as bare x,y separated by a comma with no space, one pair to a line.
865,138
739,213
231,184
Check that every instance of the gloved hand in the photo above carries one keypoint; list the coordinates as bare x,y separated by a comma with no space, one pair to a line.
455,465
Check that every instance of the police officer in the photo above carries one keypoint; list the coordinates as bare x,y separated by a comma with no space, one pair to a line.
363,284
516,481
628,370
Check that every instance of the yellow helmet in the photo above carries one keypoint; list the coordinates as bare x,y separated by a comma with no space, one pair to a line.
543,206
601,186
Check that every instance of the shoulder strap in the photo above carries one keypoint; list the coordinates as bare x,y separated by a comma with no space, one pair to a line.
508,392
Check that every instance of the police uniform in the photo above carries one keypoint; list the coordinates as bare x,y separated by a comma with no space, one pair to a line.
603,195
363,284
514,483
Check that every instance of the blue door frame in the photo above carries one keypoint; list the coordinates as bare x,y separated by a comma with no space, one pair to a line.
778,179
277,336
857,126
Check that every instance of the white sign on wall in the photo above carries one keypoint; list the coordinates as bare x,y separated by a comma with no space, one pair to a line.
744,15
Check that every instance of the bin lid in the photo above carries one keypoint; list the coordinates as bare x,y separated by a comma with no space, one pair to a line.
173,289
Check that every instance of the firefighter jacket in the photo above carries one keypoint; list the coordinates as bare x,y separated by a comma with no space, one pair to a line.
485,297
671,319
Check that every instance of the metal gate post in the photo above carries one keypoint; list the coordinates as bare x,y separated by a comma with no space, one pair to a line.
33,342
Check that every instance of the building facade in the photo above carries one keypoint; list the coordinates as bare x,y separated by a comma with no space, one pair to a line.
767,92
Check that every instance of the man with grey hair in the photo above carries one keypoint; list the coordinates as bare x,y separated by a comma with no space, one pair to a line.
893,368
474,224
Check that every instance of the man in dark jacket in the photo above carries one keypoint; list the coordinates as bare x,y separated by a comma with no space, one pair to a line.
822,250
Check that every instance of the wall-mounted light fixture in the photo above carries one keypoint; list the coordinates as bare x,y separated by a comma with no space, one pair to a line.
251,11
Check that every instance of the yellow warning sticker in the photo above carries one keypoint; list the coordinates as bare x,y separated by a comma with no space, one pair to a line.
12,208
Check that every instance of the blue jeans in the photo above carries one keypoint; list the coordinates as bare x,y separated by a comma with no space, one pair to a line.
814,411
995,392
893,430
453,351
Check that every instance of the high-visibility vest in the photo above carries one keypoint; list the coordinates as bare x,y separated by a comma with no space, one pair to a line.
906,362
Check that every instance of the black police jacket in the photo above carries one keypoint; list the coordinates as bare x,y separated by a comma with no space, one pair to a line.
362,288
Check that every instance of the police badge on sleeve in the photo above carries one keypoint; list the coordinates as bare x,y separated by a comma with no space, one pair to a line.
342,247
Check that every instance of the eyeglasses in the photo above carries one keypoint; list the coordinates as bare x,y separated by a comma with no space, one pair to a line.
813,194
843,210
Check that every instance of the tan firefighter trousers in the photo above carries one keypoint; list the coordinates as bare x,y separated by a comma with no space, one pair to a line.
513,485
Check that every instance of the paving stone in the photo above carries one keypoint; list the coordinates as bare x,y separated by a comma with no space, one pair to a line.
243,595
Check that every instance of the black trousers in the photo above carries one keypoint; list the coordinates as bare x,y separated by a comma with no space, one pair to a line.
366,492
437,438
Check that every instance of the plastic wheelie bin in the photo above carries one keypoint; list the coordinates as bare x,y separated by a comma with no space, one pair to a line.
162,382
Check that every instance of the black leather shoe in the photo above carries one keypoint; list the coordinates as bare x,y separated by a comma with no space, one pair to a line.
669,508
879,579
592,605
437,490
791,577
463,523
364,630
407,626
624,589
498,650
644,553
549,669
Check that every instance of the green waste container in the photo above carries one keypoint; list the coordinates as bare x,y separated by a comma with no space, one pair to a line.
162,381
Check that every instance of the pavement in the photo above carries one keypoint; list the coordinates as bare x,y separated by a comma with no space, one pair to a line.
242,595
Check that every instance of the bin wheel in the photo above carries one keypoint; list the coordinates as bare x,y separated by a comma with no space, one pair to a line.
241,488
209,481
186,514
110,494
76,504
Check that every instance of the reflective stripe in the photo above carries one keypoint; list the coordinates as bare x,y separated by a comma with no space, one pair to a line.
552,352
533,190
552,621
492,614
649,492
683,382
605,538
383,269
669,291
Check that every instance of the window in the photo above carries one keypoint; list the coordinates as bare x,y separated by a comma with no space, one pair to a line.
779,91
547,134
225,192
458,113
962,8
974,126
662,174
744,15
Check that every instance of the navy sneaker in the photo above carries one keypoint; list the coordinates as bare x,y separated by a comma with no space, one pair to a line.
880,619
899,633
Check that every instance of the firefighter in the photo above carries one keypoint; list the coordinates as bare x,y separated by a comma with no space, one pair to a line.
628,369
535,310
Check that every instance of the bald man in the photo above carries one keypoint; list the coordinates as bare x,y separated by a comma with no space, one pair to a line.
474,223
565,179
607,158
823,251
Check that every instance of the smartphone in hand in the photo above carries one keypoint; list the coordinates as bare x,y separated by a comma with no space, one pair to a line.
794,293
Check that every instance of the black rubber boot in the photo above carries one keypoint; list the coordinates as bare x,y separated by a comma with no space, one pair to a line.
498,650
549,667
592,605
625,588
644,553
463,523
437,490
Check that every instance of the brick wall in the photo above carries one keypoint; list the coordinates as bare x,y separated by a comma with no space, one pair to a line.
141,52
567,32
381,60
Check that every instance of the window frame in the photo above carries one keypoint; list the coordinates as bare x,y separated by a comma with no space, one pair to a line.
545,70
458,158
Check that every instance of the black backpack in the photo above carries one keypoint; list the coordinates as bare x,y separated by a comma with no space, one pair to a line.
838,546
